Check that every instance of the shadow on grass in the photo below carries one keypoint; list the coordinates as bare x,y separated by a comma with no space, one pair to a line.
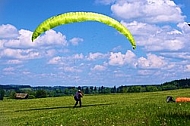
60,107
176,115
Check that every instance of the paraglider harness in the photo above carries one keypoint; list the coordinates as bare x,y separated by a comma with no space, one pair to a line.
78,98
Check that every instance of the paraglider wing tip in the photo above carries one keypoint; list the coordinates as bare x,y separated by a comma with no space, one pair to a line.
33,37
134,47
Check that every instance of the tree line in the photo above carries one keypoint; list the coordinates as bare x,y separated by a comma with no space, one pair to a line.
56,91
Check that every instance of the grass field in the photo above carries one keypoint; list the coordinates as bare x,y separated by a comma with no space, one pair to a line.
131,109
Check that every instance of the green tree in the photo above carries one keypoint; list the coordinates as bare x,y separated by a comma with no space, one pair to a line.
124,89
134,89
41,94
95,89
79,88
12,94
91,89
66,91
102,89
151,88
2,93
107,90
87,90
114,90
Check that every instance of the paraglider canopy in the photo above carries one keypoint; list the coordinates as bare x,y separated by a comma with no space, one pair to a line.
72,17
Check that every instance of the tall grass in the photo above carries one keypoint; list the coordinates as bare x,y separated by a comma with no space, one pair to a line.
131,109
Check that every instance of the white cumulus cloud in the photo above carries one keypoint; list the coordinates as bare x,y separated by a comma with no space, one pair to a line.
152,61
75,41
154,38
121,59
8,31
99,68
154,11
97,55
55,60
52,38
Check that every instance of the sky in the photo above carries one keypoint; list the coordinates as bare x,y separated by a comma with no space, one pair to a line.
92,53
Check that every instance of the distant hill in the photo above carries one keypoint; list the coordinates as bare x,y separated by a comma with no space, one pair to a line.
15,87
177,84
172,85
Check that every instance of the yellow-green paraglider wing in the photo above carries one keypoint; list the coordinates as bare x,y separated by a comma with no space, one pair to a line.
72,17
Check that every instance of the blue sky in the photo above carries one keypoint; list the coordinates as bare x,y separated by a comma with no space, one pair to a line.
91,53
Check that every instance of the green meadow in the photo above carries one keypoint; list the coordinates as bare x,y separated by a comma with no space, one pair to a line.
129,109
